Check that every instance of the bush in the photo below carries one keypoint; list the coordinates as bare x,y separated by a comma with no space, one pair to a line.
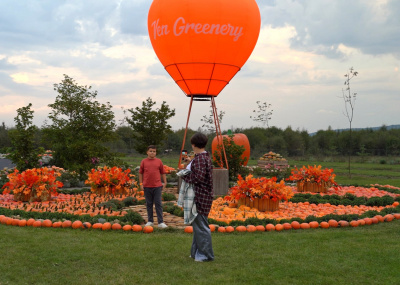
168,197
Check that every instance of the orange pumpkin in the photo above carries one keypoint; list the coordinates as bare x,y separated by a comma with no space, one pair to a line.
57,224
229,229
270,227
106,226
77,225
333,223
295,225
66,224
148,229
324,225
22,223
304,226
189,229
97,226
221,229
87,225
30,222
279,227
354,223
241,229
212,228
127,228
37,224
116,226
137,228
239,139
260,228
251,228
314,224
47,223
287,226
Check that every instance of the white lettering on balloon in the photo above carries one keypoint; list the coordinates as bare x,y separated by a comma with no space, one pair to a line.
181,27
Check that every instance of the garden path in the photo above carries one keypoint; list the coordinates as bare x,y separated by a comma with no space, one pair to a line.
169,219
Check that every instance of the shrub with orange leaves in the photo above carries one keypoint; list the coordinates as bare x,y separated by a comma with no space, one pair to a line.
111,178
313,174
263,188
36,184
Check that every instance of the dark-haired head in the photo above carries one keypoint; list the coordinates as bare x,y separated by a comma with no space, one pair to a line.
199,140
151,147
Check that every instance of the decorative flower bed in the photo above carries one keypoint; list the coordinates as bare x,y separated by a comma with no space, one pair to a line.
110,180
261,193
313,178
37,184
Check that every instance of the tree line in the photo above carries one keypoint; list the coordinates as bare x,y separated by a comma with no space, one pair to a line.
287,142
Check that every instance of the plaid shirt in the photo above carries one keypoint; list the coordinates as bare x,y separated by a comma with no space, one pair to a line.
201,179
186,199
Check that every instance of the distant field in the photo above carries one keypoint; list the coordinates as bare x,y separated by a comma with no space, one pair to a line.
362,173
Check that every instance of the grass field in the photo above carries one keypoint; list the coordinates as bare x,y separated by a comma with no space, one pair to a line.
363,255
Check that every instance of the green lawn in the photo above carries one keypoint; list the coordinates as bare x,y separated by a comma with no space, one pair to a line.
363,255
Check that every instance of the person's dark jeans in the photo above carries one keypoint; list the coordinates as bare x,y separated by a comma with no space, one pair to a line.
153,197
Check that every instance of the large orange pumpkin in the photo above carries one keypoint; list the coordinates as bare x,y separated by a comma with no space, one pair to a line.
239,139
203,44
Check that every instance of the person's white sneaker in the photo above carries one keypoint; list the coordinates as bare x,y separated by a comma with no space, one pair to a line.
149,224
162,226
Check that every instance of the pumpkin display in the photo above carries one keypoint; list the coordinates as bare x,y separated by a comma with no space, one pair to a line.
239,139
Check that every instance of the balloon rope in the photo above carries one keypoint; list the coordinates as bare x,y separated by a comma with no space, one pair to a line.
218,131
184,136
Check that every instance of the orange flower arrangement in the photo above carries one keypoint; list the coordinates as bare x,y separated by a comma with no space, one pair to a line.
37,184
262,188
112,179
168,169
313,174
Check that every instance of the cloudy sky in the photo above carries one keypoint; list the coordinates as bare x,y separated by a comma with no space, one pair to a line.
298,65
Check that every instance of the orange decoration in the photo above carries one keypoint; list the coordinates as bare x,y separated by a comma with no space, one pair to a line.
279,227
106,226
270,227
116,226
229,229
212,228
148,229
221,229
189,229
87,225
57,224
241,229
37,224
127,228
77,225
203,44
295,225
239,139
66,224
260,228
47,223
137,228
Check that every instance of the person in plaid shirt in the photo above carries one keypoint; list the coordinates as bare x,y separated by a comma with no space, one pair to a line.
201,179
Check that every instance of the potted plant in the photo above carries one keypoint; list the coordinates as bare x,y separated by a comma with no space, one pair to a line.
111,180
261,193
313,178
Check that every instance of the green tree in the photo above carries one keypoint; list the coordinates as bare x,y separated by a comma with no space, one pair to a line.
80,127
150,126
24,153
233,156
208,122
5,140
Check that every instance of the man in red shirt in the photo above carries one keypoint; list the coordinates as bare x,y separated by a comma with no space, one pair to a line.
150,173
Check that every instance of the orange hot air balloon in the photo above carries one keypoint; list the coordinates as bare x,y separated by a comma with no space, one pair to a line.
203,43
